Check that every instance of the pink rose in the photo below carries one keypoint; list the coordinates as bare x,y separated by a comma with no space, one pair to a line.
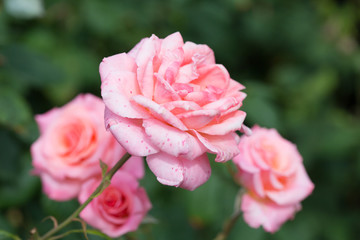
71,143
263,212
168,100
271,170
117,210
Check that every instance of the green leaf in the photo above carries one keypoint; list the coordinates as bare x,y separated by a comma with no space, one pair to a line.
104,168
4,31
88,231
9,235
20,189
10,150
29,68
316,88
15,114
14,110
80,68
98,233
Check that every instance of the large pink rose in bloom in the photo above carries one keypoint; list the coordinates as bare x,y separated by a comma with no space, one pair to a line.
120,208
72,141
271,170
168,100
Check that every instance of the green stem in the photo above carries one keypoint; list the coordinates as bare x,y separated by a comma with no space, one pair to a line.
97,191
229,224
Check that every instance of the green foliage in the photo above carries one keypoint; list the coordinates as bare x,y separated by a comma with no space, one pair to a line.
8,235
299,61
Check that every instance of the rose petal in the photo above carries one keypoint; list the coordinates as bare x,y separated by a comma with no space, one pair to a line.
135,202
177,107
287,159
168,139
43,119
91,217
170,43
146,79
258,185
117,90
134,166
186,73
173,141
200,98
117,63
293,192
198,118
200,54
213,75
167,169
159,111
246,180
170,64
246,130
234,88
125,178
63,190
272,181
130,134
133,221
178,171
267,214
244,161
144,60
197,172
225,105
113,151
164,92
224,146
135,50
58,167
227,124
146,204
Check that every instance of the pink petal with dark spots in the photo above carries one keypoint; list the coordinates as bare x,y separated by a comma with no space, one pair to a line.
230,123
172,140
130,134
178,171
159,111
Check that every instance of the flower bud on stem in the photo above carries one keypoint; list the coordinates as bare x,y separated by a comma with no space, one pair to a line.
104,183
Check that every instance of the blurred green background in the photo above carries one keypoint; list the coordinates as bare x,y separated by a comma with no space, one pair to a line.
299,61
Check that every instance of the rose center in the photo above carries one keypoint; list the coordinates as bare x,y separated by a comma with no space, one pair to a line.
115,202
271,156
70,137
75,141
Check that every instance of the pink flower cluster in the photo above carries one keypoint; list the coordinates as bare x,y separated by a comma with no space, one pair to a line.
272,172
67,157
123,204
169,101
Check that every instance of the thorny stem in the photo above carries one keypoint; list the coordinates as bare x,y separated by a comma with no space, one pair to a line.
104,183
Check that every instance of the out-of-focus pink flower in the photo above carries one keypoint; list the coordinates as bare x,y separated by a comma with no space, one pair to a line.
168,100
72,142
263,212
117,210
272,172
